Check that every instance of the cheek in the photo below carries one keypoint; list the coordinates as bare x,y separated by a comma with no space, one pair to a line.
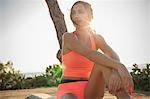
85,16
82,16
79,18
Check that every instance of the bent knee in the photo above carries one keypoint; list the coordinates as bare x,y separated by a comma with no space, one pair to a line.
68,96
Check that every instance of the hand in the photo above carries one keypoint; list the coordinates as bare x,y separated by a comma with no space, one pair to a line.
126,78
115,82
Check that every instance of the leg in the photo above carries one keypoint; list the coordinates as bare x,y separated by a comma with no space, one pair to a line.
98,78
122,94
95,87
68,96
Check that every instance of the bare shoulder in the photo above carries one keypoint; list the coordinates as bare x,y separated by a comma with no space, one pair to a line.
64,47
98,38
67,36
68,39
64,35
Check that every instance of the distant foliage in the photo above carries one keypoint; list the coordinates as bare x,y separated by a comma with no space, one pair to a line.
141,77
11,79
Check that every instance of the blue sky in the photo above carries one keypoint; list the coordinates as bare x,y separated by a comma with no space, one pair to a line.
28,37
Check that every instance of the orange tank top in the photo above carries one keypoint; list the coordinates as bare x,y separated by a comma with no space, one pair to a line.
75,65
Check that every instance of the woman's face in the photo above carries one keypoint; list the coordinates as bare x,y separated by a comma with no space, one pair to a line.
79,15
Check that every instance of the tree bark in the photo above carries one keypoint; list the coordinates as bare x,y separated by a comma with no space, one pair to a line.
59,22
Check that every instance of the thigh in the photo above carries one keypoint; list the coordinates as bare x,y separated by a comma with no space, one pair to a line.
106,74
96,85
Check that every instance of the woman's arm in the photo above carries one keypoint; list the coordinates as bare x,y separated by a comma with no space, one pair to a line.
105,48
115,82
97,57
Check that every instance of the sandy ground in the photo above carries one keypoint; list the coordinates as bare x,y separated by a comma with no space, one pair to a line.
21,94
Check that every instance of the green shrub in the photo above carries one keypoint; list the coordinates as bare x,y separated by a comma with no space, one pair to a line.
54,73
15,80
141,77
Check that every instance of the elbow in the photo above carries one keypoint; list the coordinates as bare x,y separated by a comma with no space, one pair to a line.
116,57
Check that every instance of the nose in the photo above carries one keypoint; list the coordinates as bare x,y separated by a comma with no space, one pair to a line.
76,16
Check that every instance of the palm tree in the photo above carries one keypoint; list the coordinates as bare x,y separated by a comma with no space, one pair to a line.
58,20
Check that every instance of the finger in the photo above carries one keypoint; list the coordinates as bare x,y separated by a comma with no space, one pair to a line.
109,85
111,82
130,91
130,82
124,76
127,81
131,87
115,85
125,84
119,85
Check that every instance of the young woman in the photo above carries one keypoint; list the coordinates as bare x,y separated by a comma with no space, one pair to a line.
86,71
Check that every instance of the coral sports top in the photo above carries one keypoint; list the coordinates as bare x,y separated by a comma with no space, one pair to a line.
75,65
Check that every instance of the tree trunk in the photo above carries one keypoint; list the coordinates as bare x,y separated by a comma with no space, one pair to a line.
58,20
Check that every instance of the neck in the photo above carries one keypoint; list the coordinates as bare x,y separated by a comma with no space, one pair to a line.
82,27
83,31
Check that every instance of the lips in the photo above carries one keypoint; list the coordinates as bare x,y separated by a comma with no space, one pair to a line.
76,21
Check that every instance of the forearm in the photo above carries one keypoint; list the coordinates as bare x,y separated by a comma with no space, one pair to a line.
115,57
104,60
